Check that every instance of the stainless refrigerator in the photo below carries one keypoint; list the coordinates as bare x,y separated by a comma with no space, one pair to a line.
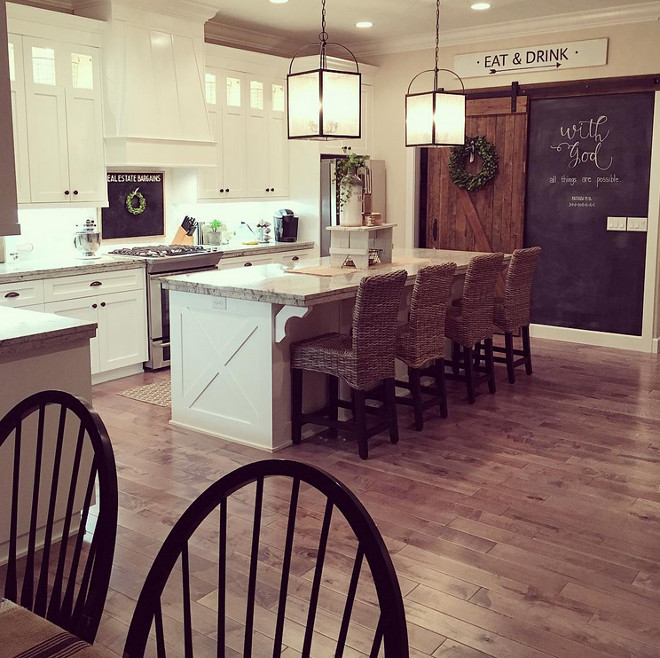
374,190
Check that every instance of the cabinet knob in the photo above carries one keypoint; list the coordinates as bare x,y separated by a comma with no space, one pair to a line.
227,190
75,192
222,190
94,305
103,304
248,264
267,190
66,192
9,295
272,189
95,284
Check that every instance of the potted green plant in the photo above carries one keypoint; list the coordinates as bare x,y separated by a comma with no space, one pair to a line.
214,233
349,184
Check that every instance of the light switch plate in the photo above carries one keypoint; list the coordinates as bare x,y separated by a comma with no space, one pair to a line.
637,224
616,223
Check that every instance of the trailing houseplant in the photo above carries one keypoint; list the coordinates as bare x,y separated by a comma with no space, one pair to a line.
347,172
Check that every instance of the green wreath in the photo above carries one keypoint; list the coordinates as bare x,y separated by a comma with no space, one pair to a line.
142,202
459,155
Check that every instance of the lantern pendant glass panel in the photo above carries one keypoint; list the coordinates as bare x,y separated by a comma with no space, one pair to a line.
324,104
435,119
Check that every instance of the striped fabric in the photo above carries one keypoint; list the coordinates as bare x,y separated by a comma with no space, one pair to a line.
26,635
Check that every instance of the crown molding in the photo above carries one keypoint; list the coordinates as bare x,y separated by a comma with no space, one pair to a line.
246,39
641,13
62,6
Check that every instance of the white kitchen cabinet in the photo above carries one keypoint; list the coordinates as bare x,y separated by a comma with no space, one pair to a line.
248,117
64,122
116,301
363,145
19,117
293,257
22,294
245,261
85,309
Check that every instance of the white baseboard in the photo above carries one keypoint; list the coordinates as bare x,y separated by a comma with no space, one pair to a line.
598,338
126,371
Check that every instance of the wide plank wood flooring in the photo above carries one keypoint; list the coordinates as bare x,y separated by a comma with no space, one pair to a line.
526,525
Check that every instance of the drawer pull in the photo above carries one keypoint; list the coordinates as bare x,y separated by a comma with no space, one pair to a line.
9,295
94,284
295,258
247,264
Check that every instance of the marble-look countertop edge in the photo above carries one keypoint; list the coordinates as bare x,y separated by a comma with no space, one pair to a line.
276,248
107,263
30,343
69,269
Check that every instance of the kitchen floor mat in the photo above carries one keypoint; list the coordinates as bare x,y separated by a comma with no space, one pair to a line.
159,393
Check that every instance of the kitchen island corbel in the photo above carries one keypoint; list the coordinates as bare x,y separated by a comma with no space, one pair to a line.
230,337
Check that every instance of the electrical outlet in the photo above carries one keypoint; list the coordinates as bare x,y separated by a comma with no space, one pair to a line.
616,224
637,224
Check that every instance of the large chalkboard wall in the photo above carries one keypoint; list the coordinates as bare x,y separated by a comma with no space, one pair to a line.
589,158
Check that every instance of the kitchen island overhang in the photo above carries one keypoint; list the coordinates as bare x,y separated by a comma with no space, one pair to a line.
231,331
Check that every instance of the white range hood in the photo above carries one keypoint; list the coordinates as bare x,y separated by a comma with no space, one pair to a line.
154,91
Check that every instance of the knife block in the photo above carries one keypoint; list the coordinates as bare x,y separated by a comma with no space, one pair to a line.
181,237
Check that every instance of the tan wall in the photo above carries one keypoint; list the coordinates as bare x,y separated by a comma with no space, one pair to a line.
633,50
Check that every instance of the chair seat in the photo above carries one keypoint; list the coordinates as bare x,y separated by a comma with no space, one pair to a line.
333,354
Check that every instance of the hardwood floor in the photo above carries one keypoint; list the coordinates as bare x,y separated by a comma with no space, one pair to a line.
525,525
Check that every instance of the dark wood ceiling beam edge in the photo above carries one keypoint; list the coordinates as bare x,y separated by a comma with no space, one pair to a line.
590,87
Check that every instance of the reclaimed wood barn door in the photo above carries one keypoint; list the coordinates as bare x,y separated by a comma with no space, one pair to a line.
492,218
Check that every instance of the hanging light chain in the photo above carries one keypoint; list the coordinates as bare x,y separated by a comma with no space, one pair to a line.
323,36
437,32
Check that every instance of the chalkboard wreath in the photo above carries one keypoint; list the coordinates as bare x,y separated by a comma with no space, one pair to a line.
459,155
142,202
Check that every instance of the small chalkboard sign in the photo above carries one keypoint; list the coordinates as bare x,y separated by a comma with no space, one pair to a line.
589,158
135,206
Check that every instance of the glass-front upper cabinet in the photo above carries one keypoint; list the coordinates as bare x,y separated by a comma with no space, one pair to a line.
64,118
19,118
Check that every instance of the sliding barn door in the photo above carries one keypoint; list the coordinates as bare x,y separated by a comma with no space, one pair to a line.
492,218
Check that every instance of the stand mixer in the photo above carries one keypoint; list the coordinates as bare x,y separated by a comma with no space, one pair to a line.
87,239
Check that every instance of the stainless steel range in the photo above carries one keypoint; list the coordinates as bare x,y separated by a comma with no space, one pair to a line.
163,260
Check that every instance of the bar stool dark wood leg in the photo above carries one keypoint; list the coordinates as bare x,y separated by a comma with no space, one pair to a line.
469,375
527,349
390,401
490,364
333,402
441,385
360,420
416,393
455,358
508,351
296,404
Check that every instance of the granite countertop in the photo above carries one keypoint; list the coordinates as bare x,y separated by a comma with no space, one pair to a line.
69,265
237,250
41,268
276,284
24,332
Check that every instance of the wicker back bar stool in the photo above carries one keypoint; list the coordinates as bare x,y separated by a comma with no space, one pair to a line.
471,322
422,339
362,360
512,312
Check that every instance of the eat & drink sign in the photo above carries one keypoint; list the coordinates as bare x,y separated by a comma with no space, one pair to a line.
574,54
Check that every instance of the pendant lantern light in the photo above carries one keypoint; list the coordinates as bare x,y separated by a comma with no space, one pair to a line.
437,117
324,103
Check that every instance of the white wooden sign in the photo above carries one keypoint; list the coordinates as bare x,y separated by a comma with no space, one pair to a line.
549,57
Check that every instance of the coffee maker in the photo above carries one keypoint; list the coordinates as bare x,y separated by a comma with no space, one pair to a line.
286,226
